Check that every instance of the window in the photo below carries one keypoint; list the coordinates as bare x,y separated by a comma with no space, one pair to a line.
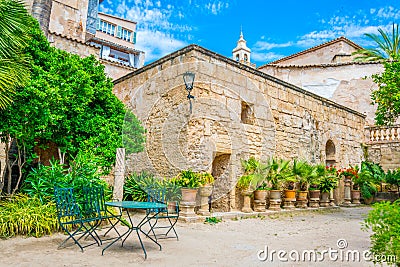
126,35
237,57
245,57
107,27
247,115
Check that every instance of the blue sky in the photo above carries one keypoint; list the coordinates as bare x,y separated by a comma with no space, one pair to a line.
272,29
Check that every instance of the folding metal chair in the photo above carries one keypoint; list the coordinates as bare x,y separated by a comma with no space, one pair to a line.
95,204
71,220
159,195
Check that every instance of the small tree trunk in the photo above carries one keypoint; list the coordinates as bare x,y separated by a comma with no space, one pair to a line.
61,155
21,162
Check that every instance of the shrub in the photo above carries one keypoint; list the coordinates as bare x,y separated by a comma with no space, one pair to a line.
384,220
136,185
22,215
83,171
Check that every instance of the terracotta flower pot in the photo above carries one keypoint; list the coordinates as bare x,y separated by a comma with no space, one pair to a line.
355,196
260,195
289,194
189,194
302,195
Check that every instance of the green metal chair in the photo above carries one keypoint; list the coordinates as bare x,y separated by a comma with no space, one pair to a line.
171,215
71,220
94,205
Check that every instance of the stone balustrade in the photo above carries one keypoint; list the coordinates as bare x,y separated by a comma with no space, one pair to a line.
382,134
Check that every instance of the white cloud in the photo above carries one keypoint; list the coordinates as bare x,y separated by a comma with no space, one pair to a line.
262,45
157,44
265,56
216,7
388,13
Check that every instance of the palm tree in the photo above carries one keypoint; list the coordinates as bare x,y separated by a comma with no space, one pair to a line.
388,46
14,69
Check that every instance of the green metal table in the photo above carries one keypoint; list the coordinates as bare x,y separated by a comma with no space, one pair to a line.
126,205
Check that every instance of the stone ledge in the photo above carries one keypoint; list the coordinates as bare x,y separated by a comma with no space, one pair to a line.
243,215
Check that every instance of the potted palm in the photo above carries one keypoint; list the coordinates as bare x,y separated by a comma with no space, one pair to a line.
328,181
305,174
313,190
277,170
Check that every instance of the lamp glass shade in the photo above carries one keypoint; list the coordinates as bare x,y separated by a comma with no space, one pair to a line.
188,78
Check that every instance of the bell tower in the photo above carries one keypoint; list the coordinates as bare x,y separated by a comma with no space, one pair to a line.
241,52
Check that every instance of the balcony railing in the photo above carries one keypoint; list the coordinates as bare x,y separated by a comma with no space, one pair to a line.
382,134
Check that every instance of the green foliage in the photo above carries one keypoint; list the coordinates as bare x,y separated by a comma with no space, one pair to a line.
384,221
14,64
206,178
187,179
68,101
387,96
254,174
137,184
132,134
244,182
277,171
83,171
327,183
388,46
22,215
136,187
393,177
212,220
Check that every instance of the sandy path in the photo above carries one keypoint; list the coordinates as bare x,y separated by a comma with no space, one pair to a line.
229,243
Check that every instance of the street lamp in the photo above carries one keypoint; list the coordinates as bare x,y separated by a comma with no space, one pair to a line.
188,78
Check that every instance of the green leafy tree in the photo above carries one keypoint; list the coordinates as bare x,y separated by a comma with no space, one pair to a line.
69,101
388,46
387,96
14,64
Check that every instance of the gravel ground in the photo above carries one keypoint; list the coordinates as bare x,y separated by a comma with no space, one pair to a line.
228,243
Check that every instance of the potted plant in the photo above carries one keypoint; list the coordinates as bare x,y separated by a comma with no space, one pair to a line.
277,170
351,174
252,181
205,191
243,185
327,183
305,175
189,182
314,191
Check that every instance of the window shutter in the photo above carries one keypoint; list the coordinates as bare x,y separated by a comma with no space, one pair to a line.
134,38
98,23
119,31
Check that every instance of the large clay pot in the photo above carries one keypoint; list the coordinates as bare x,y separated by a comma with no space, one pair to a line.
324,202
291,194
204,192
301,200
275,200
260,195
302,195
355,197
314,198
189,194
368,201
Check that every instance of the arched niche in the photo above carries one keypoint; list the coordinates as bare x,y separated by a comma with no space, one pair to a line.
330,152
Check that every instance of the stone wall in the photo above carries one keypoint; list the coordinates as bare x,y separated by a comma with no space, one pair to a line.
323,54
343,83
383,146
237,112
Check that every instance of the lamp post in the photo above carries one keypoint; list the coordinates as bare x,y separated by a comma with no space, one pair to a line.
188,78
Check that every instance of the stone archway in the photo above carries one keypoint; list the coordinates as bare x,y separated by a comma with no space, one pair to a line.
330,153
